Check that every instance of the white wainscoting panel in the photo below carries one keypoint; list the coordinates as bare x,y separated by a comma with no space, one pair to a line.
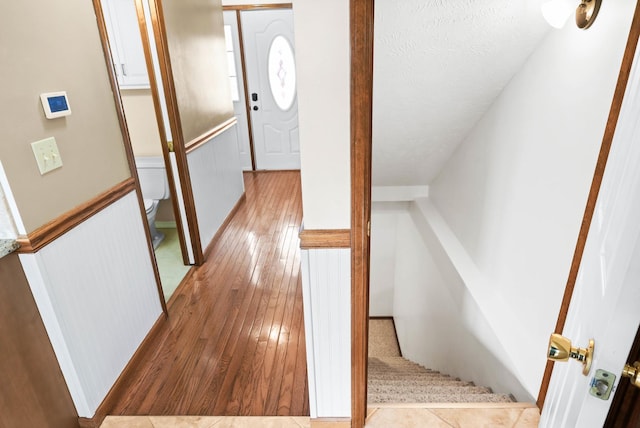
326,287
97,294
216,180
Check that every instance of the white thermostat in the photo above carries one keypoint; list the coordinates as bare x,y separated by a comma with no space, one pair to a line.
55,104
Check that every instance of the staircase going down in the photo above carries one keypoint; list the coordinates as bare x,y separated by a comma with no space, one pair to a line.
394,379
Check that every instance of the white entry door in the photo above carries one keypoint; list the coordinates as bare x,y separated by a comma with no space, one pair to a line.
604,305
271,83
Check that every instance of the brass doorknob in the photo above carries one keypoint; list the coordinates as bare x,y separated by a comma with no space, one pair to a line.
560,349
633,373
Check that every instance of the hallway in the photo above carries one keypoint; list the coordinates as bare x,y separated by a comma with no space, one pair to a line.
234,340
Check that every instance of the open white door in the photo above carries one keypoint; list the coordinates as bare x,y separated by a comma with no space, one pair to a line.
604,305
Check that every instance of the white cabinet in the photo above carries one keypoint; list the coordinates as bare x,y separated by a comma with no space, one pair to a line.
126,44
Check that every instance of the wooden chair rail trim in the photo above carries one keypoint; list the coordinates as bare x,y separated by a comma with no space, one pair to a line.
612,121
325,238
46,234
258,6
207,136
121,384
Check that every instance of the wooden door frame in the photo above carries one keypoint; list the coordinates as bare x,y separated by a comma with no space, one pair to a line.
361,38
126,139
180,148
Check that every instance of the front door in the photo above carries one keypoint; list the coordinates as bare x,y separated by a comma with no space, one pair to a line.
271,84
604,305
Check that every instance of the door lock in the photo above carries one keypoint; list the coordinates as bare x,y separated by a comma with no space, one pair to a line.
633,373
560,349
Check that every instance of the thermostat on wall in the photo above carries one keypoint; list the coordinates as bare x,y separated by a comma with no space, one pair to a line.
55,104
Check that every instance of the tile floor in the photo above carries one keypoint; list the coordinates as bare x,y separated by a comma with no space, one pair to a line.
170,265
518,415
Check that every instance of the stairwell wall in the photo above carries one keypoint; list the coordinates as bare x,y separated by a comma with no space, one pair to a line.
438,321
515,190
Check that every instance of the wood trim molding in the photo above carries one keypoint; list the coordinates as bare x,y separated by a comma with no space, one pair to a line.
46,234
224,224
325,238
362,19
612,121
212,133
258,6
123,382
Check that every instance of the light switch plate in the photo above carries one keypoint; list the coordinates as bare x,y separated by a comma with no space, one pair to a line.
47,155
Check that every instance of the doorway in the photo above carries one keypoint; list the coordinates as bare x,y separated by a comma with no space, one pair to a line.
147,139
604,105
262,74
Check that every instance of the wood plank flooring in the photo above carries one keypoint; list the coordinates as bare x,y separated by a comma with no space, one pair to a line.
234,342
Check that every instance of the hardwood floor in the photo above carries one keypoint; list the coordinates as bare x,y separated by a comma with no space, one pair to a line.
234,342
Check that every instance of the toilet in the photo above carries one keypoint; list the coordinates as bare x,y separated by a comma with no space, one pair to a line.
155,187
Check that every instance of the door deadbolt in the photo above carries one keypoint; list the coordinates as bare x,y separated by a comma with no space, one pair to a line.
633,373
560,349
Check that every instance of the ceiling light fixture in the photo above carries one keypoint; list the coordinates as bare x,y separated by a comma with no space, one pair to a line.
556,12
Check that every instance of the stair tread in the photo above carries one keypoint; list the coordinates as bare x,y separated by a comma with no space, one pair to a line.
394,379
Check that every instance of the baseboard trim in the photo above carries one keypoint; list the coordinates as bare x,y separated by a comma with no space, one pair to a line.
325,238
123,381
224,225
331,423
48,233
166,225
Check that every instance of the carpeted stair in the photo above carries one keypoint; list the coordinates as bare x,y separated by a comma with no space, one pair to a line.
394,379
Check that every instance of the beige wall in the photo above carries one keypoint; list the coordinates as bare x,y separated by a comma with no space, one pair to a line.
195,32
55,46
323,107
141,121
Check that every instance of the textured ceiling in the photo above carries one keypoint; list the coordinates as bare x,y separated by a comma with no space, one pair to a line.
438,66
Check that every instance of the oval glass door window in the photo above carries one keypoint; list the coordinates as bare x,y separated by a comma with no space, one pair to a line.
282,73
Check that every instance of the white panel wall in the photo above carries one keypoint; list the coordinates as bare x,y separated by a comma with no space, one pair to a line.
216,180
515,191
326,289
97,294
384,225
